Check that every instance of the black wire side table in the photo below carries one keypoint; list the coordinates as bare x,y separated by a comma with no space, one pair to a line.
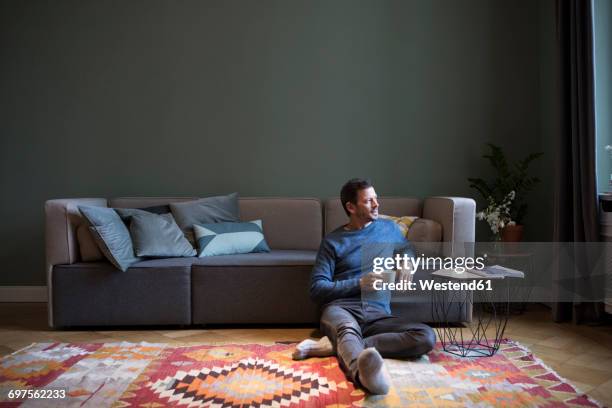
514,257
490,310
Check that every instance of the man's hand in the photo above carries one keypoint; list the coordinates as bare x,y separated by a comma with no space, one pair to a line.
404,274
367,281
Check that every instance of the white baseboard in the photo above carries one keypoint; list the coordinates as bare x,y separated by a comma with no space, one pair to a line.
23,293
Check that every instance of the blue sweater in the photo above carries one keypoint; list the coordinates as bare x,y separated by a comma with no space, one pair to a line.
344,256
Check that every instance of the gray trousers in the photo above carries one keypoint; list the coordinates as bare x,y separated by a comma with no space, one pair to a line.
352,327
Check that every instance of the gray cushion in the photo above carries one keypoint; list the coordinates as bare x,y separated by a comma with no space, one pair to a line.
111,235
205,211
276,257
228,238
158,236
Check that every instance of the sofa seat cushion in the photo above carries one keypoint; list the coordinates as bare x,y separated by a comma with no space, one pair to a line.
277,257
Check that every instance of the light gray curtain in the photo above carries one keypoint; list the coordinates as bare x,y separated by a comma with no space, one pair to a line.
576,203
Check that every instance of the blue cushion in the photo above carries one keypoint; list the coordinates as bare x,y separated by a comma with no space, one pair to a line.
111,235
228,238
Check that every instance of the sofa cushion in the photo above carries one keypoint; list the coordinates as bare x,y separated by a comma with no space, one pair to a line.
155,233
205,211
404,223
111,235
276,257
228,238
424,230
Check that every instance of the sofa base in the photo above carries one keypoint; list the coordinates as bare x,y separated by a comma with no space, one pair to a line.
97,294
253,294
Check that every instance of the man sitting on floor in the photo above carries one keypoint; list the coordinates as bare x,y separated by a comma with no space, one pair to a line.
358,324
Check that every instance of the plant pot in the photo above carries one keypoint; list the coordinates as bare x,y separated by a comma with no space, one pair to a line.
512,233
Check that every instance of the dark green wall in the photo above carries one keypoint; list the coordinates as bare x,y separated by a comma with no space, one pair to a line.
289,98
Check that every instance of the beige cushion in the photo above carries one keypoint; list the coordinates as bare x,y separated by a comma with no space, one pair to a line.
425,235
87,245
417,229
423,230
403,222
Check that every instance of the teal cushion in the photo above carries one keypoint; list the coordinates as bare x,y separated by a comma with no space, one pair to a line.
111,235
156,235
228,238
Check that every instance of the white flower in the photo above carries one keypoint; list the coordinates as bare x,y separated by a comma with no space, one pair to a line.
608,148
498,215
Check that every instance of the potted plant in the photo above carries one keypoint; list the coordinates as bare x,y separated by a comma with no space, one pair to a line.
505,194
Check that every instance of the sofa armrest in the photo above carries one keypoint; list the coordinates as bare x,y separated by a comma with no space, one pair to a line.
62,217
457,215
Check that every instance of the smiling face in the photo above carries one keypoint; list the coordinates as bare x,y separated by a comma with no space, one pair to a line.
366,207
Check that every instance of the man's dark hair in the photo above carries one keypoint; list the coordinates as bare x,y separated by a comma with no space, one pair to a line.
349,191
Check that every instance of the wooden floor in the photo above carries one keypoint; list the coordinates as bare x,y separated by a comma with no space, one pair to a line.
581,354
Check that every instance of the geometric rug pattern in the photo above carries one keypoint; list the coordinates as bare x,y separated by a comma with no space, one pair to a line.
237,375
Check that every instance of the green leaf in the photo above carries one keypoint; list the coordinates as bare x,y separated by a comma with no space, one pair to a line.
507,177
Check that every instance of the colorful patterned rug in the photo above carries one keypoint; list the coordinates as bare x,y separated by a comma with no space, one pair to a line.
159,375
